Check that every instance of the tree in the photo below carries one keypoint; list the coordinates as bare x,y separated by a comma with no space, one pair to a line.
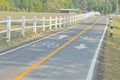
4,5
38,7
67,3
103,6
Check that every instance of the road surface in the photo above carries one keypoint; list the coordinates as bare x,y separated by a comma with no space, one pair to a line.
67,55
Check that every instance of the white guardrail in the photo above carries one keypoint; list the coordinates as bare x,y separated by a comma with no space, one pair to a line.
57,21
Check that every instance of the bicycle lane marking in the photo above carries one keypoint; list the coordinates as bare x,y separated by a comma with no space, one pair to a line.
19,77
23,58
6,52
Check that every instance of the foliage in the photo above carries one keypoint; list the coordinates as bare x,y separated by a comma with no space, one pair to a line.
104,6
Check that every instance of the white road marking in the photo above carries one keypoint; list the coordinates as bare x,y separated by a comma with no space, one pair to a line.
93,63
62,36
34,42
46,44
81,46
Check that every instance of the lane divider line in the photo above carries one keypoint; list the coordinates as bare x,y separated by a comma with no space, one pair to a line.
19,77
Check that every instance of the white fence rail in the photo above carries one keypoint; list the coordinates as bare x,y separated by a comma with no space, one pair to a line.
43,23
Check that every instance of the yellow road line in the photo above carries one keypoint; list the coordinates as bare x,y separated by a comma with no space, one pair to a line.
19,77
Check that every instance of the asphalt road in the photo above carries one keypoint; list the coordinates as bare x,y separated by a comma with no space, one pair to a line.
67,55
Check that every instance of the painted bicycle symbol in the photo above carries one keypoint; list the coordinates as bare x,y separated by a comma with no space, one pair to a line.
46,44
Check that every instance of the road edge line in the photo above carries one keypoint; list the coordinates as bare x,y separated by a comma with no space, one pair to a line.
94,60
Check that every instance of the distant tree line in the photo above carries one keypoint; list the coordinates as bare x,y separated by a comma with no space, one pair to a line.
104,6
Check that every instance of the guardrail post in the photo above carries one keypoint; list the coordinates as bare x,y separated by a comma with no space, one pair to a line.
50,23
8,35
43,24
111,27
73,19
23,26
81,16
64,21
56,22
60,21
77,18
34,24
68,20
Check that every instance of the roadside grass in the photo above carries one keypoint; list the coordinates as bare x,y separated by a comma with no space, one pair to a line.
112,53
29,15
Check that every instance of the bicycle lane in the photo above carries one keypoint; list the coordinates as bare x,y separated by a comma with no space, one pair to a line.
73,61
15,62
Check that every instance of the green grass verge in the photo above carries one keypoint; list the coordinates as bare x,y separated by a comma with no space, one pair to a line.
112,53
